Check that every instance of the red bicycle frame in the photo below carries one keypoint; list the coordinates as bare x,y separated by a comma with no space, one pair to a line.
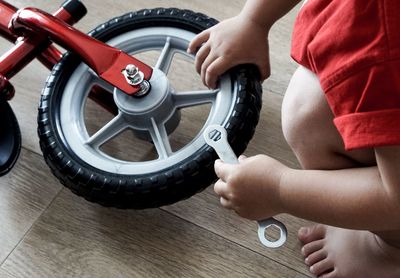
34,31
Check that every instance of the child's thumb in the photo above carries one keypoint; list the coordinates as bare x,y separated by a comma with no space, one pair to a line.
223,169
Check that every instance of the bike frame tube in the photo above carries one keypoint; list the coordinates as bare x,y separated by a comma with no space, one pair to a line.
27,48
6,13
108,62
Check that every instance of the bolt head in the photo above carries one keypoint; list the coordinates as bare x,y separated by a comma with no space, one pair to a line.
131,69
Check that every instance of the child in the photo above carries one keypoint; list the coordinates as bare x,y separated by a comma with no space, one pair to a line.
340,115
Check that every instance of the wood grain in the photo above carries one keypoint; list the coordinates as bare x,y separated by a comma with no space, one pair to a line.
24,195
204,209
74,238
4,274
47,231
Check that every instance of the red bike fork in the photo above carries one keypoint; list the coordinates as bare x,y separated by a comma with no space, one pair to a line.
109,63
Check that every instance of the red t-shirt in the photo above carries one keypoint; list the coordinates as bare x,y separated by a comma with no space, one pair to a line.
353,46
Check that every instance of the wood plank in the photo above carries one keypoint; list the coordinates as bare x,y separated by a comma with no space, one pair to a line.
204,209
24,194
282,65
4,274
28,84
75,238
268,138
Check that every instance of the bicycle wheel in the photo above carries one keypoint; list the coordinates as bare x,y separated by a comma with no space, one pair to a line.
151,151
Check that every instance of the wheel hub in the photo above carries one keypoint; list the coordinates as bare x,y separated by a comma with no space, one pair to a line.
157,105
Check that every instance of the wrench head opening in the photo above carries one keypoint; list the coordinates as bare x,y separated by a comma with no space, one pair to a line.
214,133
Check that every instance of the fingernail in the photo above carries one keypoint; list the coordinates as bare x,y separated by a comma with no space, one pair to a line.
312,269
303,231
242,157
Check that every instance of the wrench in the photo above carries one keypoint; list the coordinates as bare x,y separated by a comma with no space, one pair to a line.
216,137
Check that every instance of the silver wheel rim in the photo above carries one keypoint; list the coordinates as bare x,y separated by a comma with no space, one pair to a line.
169,41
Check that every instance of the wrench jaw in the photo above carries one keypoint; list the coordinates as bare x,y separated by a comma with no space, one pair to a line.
265,224
213,134
217,137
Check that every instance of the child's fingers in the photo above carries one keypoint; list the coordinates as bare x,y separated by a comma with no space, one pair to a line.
201,55
265,73
204,67
216,69
218,168
197,41
221,189
223,170
225,203
242,158
264,68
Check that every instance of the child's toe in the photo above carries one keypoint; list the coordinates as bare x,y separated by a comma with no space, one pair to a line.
313,233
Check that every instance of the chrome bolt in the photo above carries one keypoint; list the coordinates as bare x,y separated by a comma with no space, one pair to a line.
135,77
131,69
144,89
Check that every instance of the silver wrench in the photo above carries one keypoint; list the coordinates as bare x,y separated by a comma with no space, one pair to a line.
216,137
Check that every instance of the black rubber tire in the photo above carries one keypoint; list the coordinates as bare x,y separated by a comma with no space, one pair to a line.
10,137
164,186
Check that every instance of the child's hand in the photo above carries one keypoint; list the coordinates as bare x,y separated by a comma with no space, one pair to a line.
250,188
234,41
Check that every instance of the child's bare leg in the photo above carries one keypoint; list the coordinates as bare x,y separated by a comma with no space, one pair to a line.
308,128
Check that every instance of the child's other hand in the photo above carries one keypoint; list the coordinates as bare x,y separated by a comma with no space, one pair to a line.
234,41
250,188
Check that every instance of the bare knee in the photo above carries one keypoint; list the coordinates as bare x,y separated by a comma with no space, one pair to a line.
307,123
305,135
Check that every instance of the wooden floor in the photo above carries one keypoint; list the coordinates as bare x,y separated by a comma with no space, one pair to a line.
46,231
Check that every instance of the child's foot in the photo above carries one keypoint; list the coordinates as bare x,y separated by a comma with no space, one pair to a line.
335,253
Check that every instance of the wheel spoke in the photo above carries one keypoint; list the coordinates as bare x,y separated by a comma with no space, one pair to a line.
96,80
160,139
165,59
194,98
107,132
